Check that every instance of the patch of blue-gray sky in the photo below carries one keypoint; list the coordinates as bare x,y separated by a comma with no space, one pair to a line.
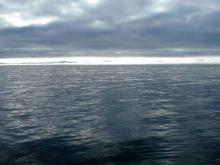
109,27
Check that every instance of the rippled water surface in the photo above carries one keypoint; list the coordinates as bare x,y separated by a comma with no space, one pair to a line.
53,115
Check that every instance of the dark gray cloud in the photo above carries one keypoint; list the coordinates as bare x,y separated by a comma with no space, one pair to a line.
103,27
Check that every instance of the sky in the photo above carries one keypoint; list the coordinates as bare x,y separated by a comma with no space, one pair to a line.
46,28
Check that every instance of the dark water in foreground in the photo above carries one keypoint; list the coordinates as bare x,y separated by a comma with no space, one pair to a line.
52,115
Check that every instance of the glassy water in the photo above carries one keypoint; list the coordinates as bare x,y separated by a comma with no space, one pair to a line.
53,115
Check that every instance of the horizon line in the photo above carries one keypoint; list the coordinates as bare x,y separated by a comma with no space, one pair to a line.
104,60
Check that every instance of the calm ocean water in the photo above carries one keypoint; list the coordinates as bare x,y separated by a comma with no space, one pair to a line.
61,115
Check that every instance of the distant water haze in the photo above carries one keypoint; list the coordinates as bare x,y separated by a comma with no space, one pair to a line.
95,60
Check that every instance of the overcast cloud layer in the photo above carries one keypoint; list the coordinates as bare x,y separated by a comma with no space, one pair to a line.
109,27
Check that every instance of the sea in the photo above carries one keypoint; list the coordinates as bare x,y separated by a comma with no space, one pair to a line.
110,115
